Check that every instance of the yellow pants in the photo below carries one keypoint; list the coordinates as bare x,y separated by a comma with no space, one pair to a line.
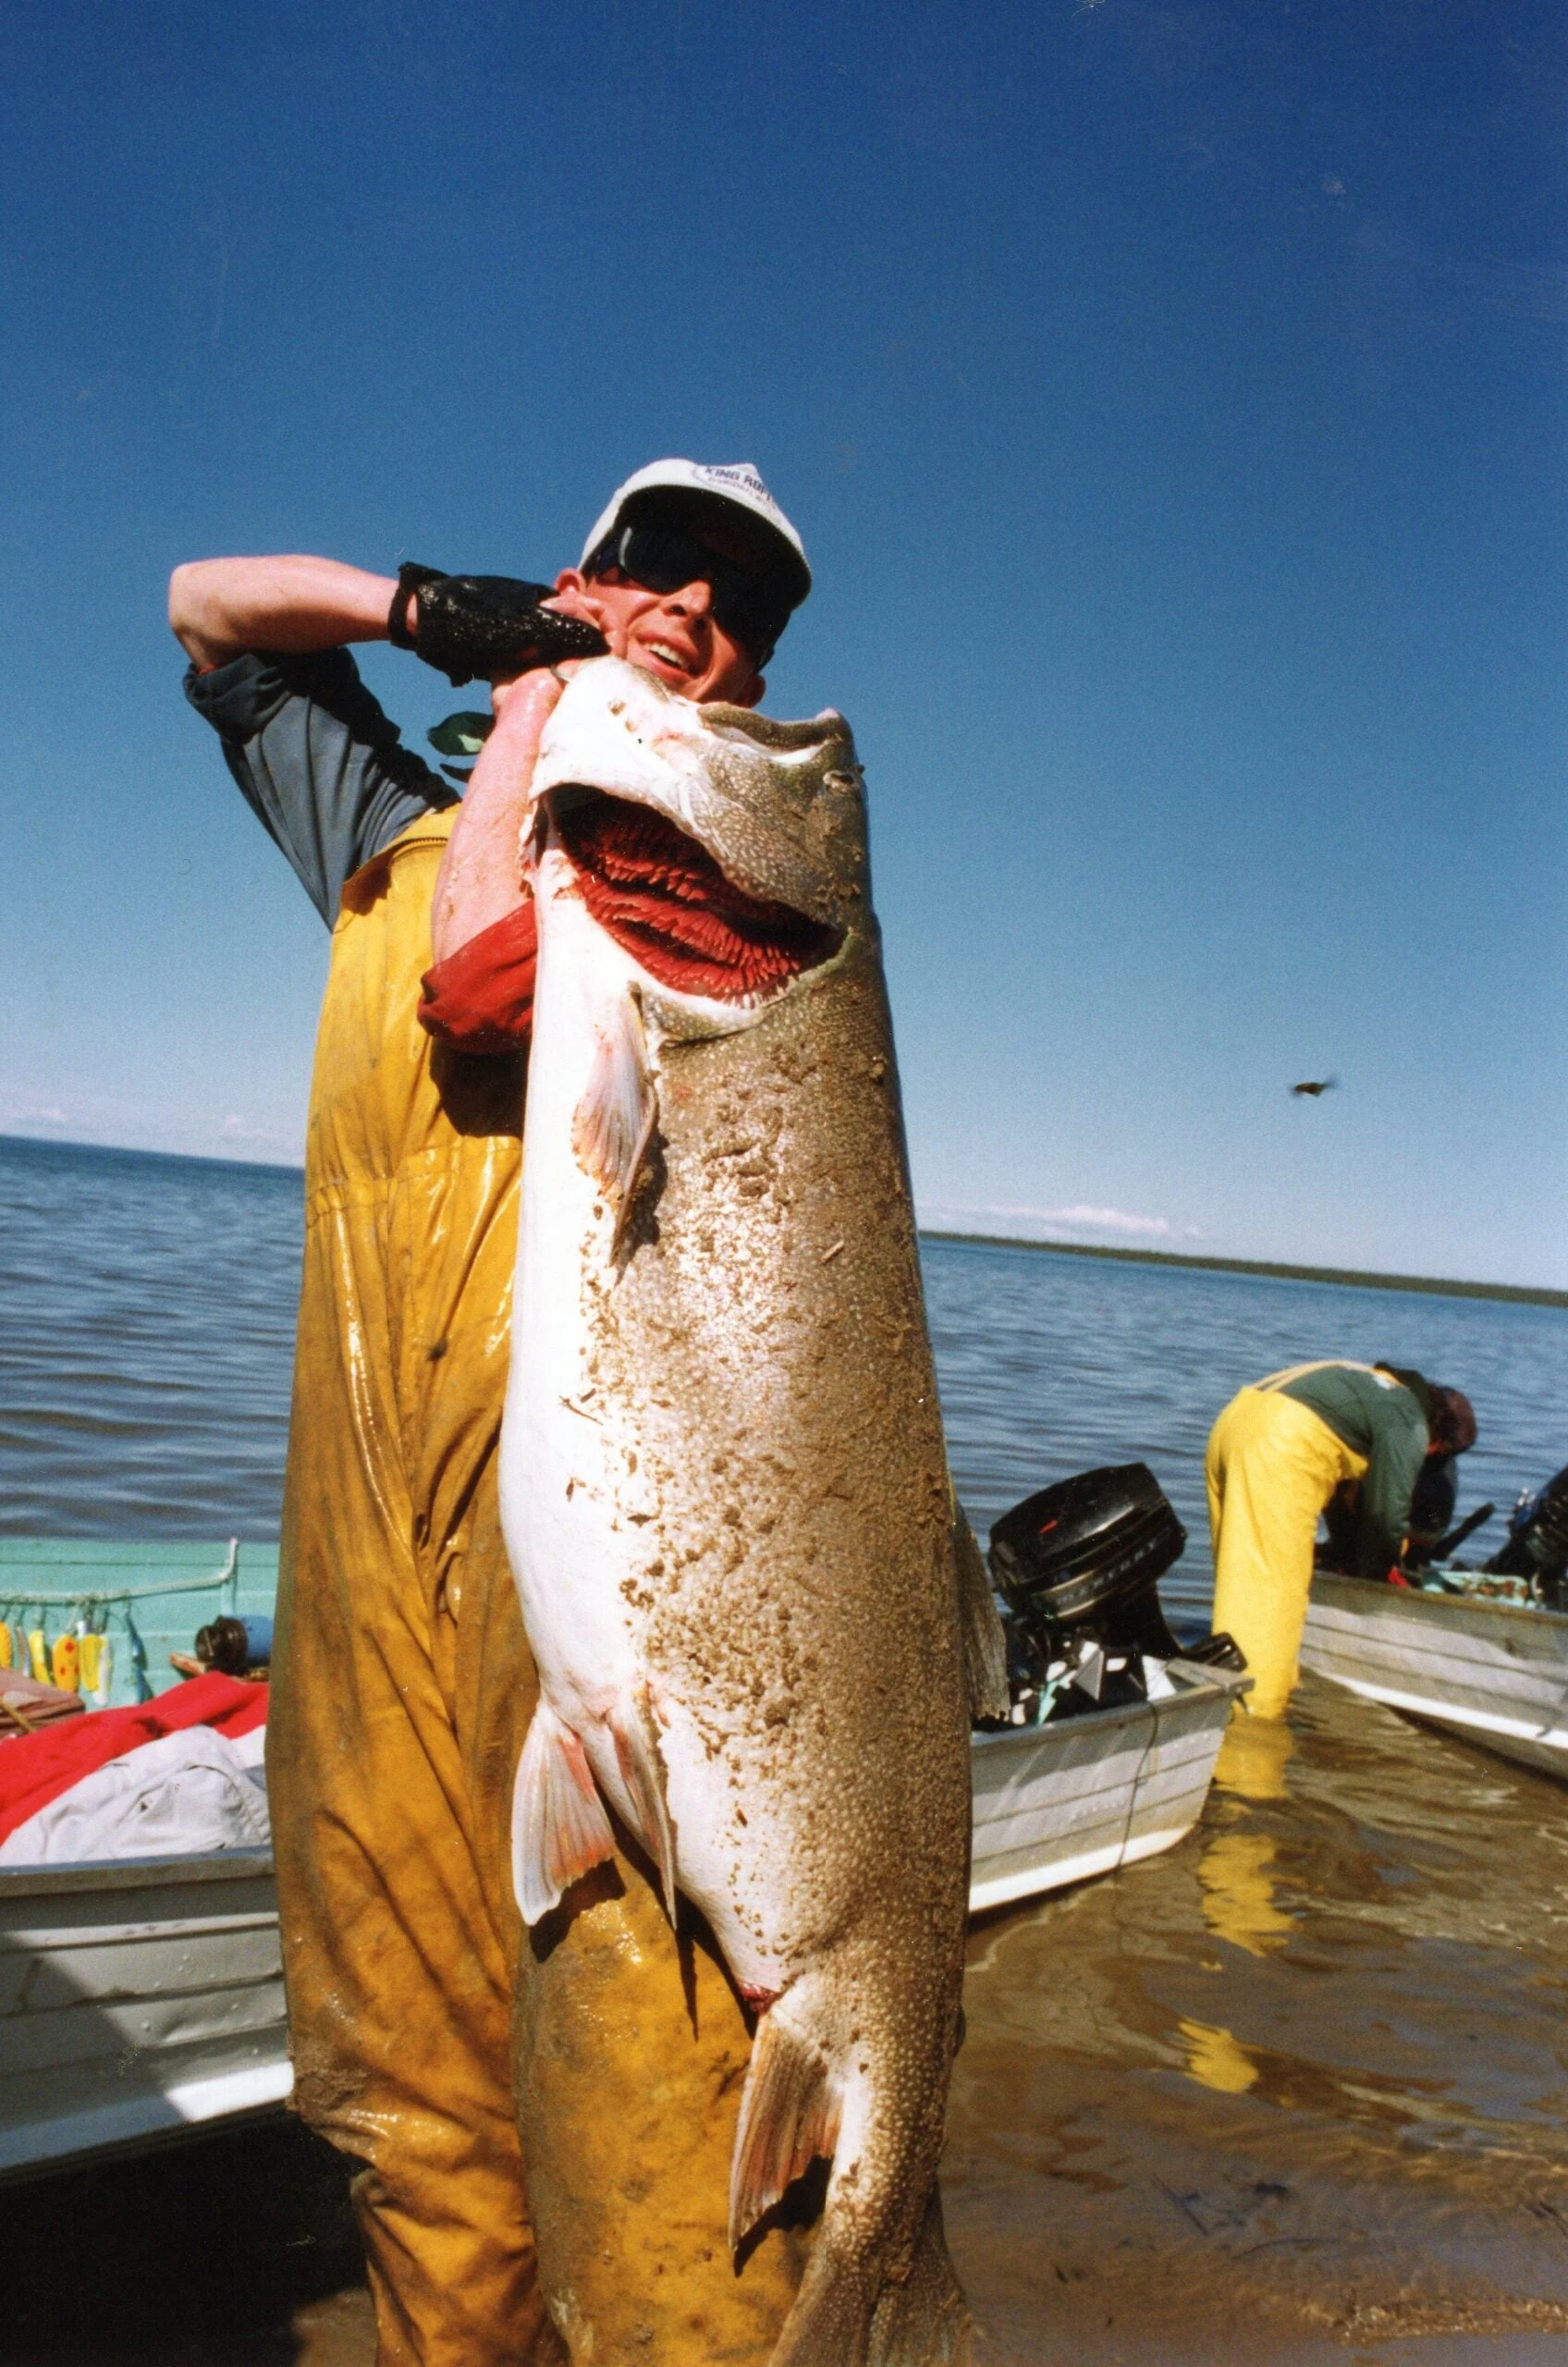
1271,1467
582,2217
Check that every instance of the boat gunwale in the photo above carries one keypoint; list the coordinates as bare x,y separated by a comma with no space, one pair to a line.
1199,1686
1407,1600
135,1873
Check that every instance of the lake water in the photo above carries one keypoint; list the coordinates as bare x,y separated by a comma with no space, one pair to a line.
147,1343
149,1322
1294,2091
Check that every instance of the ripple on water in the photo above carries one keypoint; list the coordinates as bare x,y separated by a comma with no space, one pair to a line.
146,1354
1304,2076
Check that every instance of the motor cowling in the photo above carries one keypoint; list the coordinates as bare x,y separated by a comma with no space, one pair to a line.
1078,1565
1537,1543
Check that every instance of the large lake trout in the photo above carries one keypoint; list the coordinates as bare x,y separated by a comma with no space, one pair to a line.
723,1479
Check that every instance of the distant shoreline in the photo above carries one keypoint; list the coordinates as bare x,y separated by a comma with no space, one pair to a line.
168,1157
1348,1277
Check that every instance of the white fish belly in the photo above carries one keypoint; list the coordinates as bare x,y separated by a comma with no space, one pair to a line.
566,1493
576,1498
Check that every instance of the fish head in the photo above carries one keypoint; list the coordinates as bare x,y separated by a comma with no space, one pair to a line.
778,808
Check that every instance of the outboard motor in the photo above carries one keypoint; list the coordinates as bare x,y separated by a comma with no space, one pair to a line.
1078,1565
1537,1543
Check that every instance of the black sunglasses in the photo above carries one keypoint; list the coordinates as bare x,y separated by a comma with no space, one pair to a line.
750,607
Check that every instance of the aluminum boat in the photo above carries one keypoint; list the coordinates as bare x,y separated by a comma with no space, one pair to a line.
1462,1651
138,2001
1057,1803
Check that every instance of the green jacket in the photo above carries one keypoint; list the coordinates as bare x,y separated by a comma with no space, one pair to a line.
1379,1411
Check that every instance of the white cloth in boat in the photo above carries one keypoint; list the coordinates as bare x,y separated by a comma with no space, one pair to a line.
184,1794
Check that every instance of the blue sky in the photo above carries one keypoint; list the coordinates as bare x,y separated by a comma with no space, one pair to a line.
1171,399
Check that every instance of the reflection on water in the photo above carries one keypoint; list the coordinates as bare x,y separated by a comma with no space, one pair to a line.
1253,1756
1237,1870
1239,1894
1300,2081
1215,2060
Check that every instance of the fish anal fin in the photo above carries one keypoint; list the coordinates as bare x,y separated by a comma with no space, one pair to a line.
613,1124
560,1826
985,1645
635,1731
788,2115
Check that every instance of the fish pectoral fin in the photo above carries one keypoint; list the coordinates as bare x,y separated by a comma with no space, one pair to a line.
984,1644
788,2116
614,1122
636,1735
560,1827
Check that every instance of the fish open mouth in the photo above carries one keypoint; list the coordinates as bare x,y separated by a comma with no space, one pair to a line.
665,899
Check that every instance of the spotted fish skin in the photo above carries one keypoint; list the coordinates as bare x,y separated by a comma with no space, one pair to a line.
726,1494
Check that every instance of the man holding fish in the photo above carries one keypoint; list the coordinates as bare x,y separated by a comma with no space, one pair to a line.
743,1680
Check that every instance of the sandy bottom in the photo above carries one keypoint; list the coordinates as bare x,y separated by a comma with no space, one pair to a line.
1294,2093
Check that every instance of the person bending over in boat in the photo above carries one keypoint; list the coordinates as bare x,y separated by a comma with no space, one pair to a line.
403,1685
1278,1455
1432,1507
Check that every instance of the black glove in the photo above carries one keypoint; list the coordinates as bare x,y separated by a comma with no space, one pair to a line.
470,625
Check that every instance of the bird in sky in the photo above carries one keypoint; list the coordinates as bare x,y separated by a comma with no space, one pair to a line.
1321,1085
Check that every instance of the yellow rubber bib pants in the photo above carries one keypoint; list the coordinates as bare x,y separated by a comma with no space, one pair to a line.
403,1689
1271,1467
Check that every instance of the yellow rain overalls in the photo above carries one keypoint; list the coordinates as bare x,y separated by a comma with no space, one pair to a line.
403,1689
1271,1467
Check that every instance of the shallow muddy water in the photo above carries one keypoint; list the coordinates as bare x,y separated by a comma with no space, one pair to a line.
1298,2085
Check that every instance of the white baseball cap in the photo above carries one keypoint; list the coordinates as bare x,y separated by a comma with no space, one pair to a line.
736,481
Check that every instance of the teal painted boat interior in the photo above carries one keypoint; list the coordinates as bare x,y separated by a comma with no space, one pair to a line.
148,1600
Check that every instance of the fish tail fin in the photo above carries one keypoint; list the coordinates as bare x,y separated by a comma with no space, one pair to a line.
560,1827
845,2315
789,2114
637,1754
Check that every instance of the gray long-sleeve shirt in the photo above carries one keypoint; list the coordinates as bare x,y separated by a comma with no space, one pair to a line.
317,760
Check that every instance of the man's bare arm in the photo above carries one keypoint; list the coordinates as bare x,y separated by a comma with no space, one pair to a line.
480,877
220,608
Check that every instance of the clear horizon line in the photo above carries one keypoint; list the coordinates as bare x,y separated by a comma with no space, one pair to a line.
1268,1268
1287,1269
